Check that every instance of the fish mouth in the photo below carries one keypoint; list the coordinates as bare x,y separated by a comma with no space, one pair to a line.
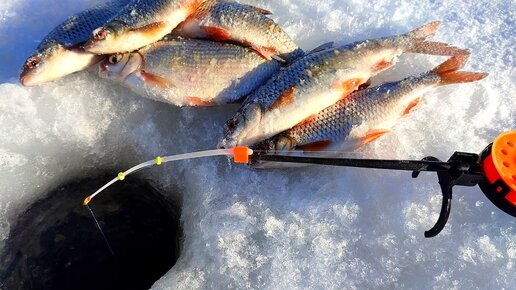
28,79
92,46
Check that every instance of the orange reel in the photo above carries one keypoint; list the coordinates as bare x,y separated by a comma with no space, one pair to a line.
499,168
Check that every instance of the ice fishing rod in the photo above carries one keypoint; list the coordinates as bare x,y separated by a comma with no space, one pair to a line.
493,170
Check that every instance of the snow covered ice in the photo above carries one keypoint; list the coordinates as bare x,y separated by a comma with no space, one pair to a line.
315,228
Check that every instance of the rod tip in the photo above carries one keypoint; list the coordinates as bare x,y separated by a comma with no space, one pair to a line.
86,201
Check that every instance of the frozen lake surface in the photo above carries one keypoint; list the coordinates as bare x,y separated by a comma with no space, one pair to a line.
315,228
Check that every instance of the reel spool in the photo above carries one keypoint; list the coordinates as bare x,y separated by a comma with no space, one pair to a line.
499,167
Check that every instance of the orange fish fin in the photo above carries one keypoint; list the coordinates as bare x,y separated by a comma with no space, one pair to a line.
285,99
372,136
452,64
216,33
155,80
349,86
437,48
151,29
198,102
267,53
193,5
381,66
315,146
259,10
449,74
461,77
425,31
308,120
411,106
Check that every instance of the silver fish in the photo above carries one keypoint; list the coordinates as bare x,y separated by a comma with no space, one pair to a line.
248,25
367,114
139,23
61,53
190,72
320,79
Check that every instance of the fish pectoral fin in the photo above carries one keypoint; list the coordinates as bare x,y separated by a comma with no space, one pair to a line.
267,53
381,66
315,146
285,99
216,33
349,86
372,135
151,29
258,9
411,106
155,80
198,102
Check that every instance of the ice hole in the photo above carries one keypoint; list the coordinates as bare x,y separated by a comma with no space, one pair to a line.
56,244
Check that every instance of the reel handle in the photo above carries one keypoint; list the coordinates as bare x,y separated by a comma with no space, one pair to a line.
464,170
446,189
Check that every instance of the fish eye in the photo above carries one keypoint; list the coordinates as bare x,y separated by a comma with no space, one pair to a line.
115,58
99,34
265,146
32,62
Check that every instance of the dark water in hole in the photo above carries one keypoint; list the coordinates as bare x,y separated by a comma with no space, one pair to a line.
55,244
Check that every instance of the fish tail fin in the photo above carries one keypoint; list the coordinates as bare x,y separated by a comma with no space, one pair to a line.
436,48
425,31
449,74
418,38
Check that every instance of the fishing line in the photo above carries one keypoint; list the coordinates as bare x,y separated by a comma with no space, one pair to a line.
101,231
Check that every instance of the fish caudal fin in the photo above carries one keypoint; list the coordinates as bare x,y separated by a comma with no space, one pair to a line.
267,53
421,45
425,31
449,74
437,48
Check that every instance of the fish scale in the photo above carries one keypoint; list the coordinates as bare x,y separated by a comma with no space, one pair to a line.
347,124
77,29
245,24
139,23
61,52
373,106
320,79
212,72
137,12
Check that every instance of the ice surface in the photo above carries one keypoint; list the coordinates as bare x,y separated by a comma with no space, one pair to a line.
318,228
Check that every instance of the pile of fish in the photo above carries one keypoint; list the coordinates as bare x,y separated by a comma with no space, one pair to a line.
215,52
